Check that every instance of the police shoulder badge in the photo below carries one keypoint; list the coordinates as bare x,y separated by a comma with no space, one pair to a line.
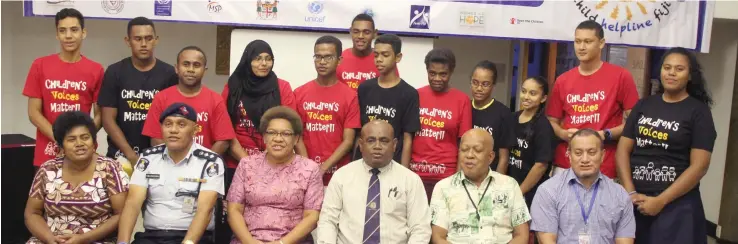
142,164
213,169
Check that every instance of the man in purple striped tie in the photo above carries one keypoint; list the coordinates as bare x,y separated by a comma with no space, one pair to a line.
374,199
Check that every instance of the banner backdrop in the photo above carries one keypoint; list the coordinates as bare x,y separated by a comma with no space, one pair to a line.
650,23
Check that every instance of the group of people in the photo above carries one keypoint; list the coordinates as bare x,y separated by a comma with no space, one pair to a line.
357,155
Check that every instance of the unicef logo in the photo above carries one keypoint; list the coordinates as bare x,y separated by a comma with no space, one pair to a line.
112,6
315,7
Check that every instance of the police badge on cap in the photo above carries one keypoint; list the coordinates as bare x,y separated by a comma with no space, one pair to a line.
179,110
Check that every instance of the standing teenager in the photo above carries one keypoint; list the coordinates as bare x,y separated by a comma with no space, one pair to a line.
530,158
329,110
61,82
445,115
595,95
491,115
357,62
665,151
390,98
128,89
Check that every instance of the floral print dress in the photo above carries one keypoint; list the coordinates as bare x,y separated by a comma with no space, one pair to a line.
77,210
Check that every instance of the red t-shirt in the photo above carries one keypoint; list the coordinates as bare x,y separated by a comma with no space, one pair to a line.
248,136
62,87
596,101
325,113
444,117
212,116
354,70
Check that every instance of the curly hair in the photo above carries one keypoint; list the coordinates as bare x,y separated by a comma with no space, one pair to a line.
70,120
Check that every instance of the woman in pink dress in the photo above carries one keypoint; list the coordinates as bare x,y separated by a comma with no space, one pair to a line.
275,196
77,197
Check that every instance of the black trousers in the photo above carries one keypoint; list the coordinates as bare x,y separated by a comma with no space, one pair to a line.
680,222
168,237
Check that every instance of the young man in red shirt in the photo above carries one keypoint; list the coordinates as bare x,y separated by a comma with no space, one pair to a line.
445,114
329,110
357,62
61,82
595,95
214,126
128,89
388,97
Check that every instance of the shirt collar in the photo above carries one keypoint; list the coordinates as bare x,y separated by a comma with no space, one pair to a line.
483,107
367,168
186,159
572,178
460,177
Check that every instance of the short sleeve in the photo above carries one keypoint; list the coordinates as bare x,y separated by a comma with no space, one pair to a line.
629,130
33,88
224,93
221,126
703,133
507,139
554,105
313,199
286,96
544,212
411,117
628,94
214,176
38,187
152,127
519,211
99,80
466,116
109,88
544,141
236,191
116,180
352,116
139,172
439,208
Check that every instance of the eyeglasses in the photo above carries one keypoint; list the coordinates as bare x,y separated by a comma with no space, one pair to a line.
327,58
265,59
485,84
283,134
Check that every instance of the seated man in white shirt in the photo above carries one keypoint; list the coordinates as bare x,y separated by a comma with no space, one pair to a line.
478,205
375,199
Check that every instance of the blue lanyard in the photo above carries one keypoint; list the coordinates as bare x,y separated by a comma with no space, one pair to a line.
585,216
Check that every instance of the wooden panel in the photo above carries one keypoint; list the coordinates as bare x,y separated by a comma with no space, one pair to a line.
551,67
223,50
638,66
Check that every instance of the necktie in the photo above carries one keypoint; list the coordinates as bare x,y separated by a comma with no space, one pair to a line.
371,219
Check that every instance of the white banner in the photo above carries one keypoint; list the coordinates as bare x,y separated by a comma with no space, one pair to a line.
649,23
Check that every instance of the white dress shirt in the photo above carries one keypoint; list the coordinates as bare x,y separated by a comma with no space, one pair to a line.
405,213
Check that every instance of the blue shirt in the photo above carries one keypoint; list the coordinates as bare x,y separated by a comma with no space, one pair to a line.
555,209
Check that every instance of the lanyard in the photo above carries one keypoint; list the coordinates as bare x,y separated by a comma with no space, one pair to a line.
480,199
591,202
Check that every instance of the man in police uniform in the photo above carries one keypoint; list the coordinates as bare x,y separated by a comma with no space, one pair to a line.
179,181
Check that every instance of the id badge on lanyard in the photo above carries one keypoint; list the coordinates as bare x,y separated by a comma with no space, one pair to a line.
584,234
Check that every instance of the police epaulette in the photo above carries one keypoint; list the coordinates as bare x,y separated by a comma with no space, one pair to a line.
208,156
153,150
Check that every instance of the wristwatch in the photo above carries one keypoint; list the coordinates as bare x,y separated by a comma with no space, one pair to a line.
608,135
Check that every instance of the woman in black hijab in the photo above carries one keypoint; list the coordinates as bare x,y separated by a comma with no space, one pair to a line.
252,89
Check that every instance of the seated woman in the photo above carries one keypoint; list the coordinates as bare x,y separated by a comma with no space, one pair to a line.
77,197
276,195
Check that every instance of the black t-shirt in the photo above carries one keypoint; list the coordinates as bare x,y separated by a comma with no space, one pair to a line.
529,151
131,91
498,121
398,105
664,135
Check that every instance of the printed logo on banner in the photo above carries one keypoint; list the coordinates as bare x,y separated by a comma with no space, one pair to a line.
267,9
112,6
163,7
626,17
315,8
419,16
516,21
471,18
214,6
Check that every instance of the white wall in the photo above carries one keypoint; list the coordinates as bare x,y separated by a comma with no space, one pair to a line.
26,38
719,70
726,10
